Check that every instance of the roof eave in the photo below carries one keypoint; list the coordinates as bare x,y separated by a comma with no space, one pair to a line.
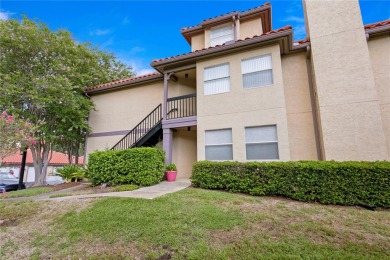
223,49
125,84
379,30
264,11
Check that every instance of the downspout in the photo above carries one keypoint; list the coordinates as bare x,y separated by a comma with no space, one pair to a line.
234,27
313,105
86,137
167,76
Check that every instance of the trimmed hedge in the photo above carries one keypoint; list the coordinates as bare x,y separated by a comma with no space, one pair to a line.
328,182
139,166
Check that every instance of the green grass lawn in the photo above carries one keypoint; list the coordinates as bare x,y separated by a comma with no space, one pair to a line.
29,192
204,224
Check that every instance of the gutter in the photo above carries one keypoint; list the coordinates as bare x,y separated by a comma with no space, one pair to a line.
313,105
378,29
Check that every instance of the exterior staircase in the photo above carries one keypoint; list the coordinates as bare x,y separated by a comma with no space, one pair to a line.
148,132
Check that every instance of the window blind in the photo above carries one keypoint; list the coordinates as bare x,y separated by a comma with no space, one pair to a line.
216,79
218,145
261,143
257,71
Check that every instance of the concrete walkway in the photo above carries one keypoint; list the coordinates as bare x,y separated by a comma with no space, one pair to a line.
150,192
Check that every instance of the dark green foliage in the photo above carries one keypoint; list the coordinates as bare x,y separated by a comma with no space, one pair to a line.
328,182
71,172
171,167
139,166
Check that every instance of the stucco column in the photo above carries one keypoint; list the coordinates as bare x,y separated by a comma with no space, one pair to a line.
348,105
167,145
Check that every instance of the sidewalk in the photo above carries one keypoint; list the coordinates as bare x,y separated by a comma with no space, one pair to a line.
150,192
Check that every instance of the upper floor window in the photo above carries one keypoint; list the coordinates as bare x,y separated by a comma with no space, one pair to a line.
216,79
261,143
257,71
219,145
221,34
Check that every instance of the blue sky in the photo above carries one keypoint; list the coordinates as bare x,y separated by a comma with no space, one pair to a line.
140,31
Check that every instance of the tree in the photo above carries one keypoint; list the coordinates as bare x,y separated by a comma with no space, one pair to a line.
15,134
42,79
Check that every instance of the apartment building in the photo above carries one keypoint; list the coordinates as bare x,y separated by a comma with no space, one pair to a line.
248,92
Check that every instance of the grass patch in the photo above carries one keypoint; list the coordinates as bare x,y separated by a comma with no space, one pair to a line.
18,209
126,187
204,224
58,195
29,192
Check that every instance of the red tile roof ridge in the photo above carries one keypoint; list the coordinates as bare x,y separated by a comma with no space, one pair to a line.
226,14
123,80
287,27
57,159
376,24
301,41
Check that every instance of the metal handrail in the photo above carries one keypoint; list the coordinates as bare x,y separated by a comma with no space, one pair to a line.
181,106
140,130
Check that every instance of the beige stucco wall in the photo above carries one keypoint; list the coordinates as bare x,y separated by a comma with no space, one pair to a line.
240,107
250,28
121,110
197,42
348,101
207,37
380,60
183,86
184,151
299,108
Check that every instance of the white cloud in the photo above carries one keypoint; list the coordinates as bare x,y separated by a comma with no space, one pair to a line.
99,32
125,21
136,50
140,66
299,31
5,15
295,19
294,7
145,71
107,43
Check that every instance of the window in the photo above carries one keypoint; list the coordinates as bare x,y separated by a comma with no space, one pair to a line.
220,35
261,143
219,145
257,71
216,79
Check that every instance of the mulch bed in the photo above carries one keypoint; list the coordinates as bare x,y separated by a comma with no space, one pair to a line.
66,185
96,189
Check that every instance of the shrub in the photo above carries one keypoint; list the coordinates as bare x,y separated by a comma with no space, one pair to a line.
328,182
71,172
171,167
126,187
140,166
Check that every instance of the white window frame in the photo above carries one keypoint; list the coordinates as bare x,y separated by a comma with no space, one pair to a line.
264,142
216,79
257,57
214,40
221,144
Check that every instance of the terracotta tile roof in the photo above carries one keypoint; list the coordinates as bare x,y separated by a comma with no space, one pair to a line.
285,28
222,16
377,24
58,159
303,41
122,81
